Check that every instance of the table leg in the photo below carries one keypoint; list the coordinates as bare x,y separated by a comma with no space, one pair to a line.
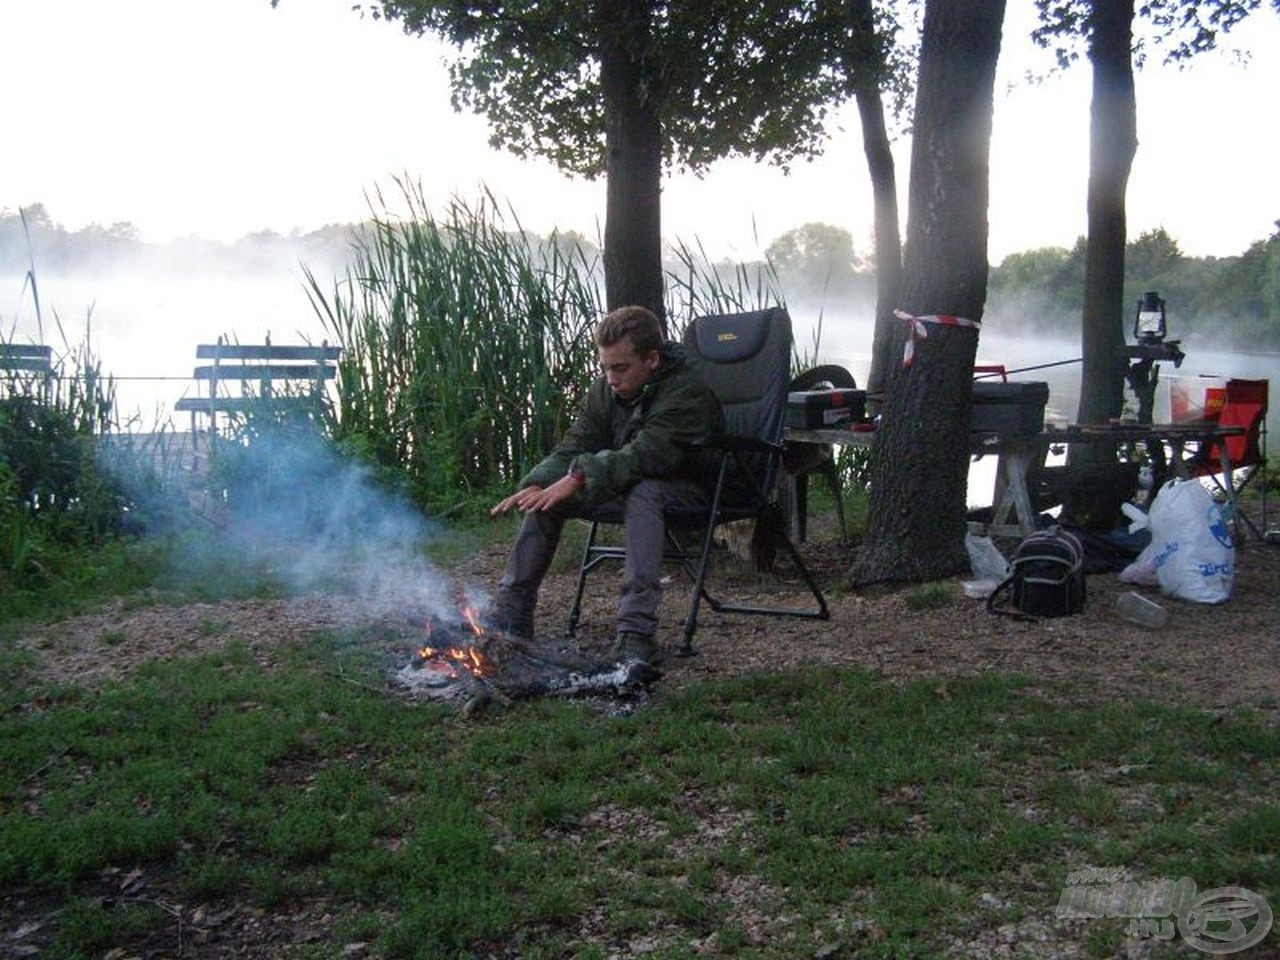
1011,490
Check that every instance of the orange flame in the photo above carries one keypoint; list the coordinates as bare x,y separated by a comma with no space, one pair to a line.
468,657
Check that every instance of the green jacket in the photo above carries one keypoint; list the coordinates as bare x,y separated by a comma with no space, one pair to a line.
616,443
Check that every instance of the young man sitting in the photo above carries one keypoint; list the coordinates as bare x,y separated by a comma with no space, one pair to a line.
630,442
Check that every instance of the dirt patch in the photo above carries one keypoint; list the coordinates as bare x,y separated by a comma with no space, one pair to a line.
1213,656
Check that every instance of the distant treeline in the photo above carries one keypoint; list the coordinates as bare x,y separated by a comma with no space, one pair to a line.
52,248
1235,300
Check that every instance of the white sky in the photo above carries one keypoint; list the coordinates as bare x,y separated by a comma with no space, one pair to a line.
221,118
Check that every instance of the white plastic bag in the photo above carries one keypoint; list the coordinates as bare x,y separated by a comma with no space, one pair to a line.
985,558
1143,568
1191,543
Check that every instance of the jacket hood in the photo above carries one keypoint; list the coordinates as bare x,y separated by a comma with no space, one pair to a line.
673,358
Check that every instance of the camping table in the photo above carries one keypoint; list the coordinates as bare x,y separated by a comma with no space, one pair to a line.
1014,497
796,493
1016,454
1012,514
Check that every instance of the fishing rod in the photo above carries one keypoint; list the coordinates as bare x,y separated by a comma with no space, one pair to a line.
1038,366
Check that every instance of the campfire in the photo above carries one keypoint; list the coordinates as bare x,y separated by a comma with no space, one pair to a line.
444,663
459,661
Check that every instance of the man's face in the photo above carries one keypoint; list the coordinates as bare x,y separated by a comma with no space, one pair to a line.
626,370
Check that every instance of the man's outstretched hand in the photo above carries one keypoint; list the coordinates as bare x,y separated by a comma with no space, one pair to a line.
516,501
533,498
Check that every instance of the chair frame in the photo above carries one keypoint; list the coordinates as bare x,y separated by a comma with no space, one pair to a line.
732,451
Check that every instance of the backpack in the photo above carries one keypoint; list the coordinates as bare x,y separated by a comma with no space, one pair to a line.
1046,577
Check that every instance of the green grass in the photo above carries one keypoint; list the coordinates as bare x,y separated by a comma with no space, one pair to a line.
856,813
179,567
931,596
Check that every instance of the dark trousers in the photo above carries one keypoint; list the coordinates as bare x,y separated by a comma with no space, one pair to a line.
641,590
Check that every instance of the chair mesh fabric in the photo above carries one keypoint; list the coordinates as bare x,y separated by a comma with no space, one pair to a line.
1245,406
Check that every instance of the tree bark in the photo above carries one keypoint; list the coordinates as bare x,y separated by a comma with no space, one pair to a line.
865,67
1113,141
633,165
920,459
884,190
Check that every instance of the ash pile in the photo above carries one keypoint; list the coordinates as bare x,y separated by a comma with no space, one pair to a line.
470,667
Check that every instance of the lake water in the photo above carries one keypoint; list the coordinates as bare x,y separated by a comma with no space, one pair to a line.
850,346
144,327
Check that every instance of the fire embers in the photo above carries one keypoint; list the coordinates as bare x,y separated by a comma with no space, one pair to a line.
462,663
460,652
445,662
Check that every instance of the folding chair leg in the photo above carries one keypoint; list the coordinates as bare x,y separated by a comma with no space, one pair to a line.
575,613
823,612
691,621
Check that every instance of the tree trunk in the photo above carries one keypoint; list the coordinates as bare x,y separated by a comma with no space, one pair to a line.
1113,140
884,188
633,165
867,67
1090,501
920,460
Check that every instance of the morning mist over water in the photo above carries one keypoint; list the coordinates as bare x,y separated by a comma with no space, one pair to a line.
144,317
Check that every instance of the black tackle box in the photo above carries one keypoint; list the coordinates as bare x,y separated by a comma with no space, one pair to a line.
818,409
1014,409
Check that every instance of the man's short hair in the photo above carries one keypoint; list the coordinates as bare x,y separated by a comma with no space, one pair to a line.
640,324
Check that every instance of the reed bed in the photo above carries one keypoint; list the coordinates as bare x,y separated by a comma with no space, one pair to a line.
72,476
698,286
465,345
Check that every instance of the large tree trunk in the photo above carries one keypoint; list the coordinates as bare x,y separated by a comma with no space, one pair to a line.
1113,140
633,140
920,460
884,190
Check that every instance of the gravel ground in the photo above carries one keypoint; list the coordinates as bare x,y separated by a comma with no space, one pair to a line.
1214,656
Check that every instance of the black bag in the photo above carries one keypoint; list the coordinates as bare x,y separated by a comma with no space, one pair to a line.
1046,577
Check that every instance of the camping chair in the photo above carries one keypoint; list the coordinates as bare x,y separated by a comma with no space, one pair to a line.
745,359
1245,405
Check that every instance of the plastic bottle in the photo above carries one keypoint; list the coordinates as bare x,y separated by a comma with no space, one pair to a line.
1136,608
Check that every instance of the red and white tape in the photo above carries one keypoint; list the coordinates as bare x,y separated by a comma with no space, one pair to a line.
919,331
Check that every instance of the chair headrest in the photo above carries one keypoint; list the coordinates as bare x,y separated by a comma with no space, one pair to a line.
731,338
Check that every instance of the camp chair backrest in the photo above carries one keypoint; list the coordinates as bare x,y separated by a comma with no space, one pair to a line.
745,359
1245,406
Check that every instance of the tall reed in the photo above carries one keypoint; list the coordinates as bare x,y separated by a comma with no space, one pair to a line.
697,286
465,345
53,496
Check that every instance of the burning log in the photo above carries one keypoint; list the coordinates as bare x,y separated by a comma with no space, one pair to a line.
475,667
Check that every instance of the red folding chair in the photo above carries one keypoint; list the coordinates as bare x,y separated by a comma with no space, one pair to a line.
1245,405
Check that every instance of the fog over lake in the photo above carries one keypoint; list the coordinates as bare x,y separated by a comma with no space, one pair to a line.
145,322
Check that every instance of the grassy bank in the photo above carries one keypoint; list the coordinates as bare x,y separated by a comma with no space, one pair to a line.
810,813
